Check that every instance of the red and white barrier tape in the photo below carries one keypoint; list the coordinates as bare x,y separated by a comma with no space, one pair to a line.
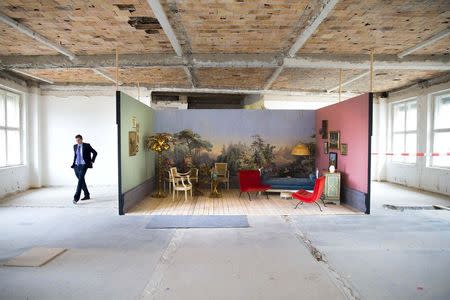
412,154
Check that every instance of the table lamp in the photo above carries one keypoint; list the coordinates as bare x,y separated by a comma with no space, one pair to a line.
300,150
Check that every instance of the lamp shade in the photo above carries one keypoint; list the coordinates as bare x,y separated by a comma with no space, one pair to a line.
300,150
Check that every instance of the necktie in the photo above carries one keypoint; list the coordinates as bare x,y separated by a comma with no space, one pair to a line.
79,155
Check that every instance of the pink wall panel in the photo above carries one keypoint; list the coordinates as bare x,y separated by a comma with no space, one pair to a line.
351,118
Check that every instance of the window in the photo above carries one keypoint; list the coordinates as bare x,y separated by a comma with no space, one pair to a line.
10,129
404,131
440,130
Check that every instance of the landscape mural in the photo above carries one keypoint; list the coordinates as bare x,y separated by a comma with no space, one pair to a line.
245,139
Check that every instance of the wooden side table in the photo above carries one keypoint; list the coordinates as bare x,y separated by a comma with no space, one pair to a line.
215,189
332,190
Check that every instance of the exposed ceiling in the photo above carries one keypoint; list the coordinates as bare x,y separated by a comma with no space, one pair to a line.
88,27
152,76
224,44
311,79
387,27
226,26
232,78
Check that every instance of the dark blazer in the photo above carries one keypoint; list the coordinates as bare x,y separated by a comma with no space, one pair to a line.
87,151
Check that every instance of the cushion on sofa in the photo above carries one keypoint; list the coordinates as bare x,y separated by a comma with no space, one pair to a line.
289,183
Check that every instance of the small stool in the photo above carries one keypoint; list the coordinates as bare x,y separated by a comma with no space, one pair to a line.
286,195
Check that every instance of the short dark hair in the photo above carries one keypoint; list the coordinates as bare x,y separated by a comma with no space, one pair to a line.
78,136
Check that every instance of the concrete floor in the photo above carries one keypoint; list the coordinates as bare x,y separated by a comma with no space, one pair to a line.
395,194
102,197
114,257
388,255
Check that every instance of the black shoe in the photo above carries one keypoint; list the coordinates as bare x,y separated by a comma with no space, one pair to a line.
86,198
75,201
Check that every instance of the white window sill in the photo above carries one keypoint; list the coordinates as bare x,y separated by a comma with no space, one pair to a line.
438,168
404,163
12,167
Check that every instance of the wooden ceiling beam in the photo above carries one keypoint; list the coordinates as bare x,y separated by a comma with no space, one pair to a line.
34,35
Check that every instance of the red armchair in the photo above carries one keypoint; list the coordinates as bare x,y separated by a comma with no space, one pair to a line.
308,197
250,181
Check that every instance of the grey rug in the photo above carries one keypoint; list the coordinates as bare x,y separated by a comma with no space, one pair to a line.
170,221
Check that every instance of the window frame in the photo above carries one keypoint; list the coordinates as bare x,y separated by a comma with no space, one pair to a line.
404,131
431,116
6,128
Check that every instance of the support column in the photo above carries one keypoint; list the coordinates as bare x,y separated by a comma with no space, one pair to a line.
382,138
375,138
33,140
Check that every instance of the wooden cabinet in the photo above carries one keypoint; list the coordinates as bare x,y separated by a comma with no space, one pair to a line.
332,190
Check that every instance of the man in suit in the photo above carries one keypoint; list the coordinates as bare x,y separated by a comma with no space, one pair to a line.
84,157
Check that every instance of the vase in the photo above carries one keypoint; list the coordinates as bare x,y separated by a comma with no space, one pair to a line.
332,169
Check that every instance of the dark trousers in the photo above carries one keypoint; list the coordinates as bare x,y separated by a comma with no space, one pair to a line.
80,172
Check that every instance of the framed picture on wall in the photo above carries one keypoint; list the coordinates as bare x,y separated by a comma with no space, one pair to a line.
333,139
332,159
344,149
325,147
324,130
133,146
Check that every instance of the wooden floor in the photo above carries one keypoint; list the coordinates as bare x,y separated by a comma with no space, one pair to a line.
231,204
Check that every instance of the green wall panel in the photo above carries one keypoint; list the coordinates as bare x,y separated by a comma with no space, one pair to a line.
136,169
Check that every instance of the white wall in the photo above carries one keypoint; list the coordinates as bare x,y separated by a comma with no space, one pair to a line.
15,179
64,116
309,101
417,175
52,116
379,139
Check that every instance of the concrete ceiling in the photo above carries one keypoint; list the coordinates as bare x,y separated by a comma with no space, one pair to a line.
223,44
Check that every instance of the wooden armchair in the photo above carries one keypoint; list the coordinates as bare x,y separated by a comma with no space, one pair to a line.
181,182
169,181
193,177
223,174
